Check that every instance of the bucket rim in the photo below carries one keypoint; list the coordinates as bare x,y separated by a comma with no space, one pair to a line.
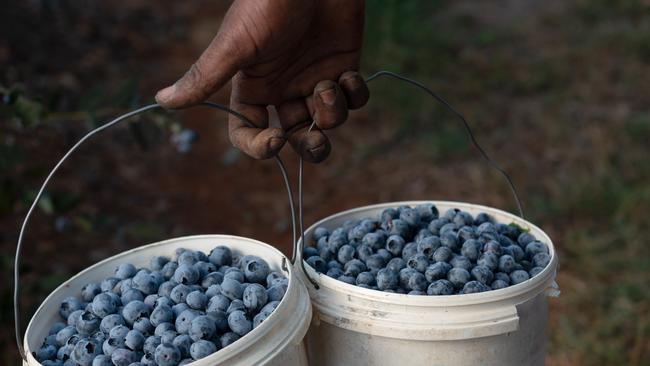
528,288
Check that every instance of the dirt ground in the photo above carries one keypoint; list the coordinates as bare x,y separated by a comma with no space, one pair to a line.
555,91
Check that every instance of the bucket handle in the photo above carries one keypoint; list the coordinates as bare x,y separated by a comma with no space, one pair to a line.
448,106
16,295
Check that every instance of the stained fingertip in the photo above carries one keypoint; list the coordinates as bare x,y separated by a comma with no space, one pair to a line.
329,105
355,89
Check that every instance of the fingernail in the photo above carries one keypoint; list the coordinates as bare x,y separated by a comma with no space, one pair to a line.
275,143
164,95
328,96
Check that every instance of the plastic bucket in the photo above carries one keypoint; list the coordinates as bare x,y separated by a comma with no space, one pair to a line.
277,341
357,326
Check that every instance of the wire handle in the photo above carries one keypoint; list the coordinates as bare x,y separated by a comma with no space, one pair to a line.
448,106
16,302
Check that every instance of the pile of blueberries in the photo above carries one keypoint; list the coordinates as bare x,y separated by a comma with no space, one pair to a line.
416,251
170,314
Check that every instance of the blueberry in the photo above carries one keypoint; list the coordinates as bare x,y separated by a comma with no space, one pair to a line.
503,277
404,276
437,271
486,227
47,352
56,327
515,251
493,246
88,323
482,274
111,321
148,359
89,291
418,262
384,254
259,319
228,339
417,282
448,229
450,241
108,284
387,279
309,252
395,244
213,291
388,215
202,327
51,340
125,270
410,216
239,323
356,234
169,269
498,284
69,305
74,317
161,314
64,353
345,254
440,287
220,319
164,300
535,271
428,245
365,278
151,300
234,274
473,287
396,264
490,260
458,277
255,297
535,247
375,262
320,232
102,360
482,218
336,241
179,293
231,289
317,263
460,261
470,249
427,211
331,264
442,254
201,349
183,321
256,270
131,295
134,311
518,276
409,250
196,300
54,363
417,292
335,272
436,224
374,240
399,227
524,239
235,305
183,343
187,258
348,279
104,304
357,264
218,303
186,274
134,339
145,282
276,293
466,233
84,352
506,264
167,354
541,260
363,252
150,344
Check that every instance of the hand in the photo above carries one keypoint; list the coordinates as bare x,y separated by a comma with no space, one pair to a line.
300,56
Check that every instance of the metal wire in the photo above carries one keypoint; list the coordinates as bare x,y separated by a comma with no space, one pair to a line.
16,302
448,106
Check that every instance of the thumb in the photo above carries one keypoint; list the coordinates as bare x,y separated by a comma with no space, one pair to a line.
214,68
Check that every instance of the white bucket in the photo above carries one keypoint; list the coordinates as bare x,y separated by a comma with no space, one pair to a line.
358,326
277,341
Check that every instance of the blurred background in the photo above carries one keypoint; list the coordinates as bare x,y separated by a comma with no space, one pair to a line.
557,91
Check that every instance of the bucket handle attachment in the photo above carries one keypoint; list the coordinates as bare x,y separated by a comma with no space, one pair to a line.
124,117
301,243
